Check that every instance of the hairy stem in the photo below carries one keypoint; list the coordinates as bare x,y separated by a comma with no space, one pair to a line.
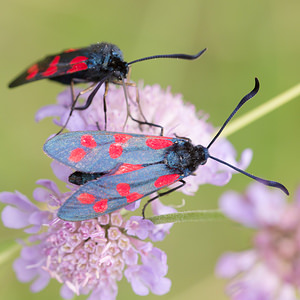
189,216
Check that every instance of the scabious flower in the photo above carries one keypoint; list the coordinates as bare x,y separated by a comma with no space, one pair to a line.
89,257
271,270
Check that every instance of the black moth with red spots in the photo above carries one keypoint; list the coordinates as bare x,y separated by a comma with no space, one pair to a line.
90,64
99,63
116,169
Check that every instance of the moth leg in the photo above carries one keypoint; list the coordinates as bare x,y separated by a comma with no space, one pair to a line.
162,194
145,122
104,104
92,95
72,91
183,138
98,126
149,124
90,99
127,104
137,98
75,101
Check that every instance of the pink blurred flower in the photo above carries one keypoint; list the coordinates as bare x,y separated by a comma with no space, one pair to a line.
271,270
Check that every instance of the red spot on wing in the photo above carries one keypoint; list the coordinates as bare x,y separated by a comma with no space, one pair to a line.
78,64
165,180
133,197
100,206
70,50
52,69
115,150
122,138
86,198
78,67
126,168
158,143
77,155
78,59
32,71
123,189
88,141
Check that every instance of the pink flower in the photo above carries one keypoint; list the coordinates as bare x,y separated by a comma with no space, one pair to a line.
271,270
87,257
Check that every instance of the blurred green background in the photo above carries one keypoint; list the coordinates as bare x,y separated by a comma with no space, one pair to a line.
244,39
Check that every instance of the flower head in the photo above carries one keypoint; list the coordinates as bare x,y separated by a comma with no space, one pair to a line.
88,256
271,269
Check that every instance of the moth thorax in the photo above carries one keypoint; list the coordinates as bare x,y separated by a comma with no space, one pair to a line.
184,157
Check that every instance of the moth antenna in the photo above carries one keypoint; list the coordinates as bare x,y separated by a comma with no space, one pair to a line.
178,56
241,103
261,180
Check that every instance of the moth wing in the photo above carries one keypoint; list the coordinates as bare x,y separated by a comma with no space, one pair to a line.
98,151
65,63
112,192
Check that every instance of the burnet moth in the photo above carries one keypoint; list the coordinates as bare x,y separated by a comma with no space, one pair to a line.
99,63
114,169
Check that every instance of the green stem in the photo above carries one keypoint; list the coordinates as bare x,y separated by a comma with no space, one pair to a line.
189,216
262,110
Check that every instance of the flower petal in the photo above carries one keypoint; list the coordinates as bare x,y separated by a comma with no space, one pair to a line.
17,199
48,111
61,171
66,293
267,204
14,218
41,282
137,283
23,273
133,206
48,184
139,227
231,263
162,287
238,208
